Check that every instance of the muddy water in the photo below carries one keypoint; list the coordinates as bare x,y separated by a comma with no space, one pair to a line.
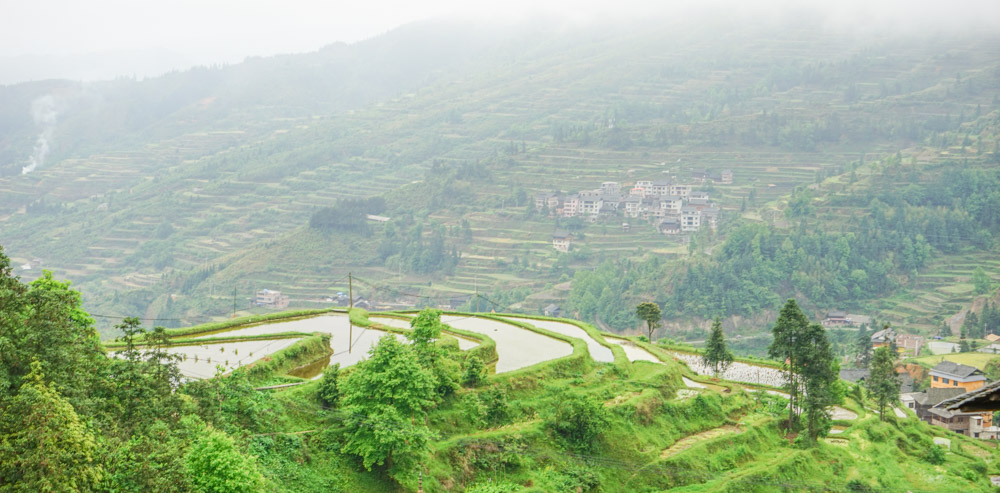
597,351
516,347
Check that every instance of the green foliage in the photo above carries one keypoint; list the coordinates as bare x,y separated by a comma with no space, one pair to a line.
883,382
716,355
981,281
215,464
649,312
328,392
935,455
348,215
475,372
810,366
381,396
819,378
46,323
44,446
579,420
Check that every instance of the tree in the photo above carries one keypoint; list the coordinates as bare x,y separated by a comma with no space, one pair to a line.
579,420
981,281
475,371
44,445
819,378
215,465
328,393
883,382
863,348
45,323
383,396
426,329
789,347
717,356
650,312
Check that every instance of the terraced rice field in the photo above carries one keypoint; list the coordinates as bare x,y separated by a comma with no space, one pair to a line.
463,343
516,347
200,361
633,352
598,351
345,352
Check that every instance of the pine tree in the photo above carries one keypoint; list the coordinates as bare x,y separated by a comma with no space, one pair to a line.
883,383
789,347
863,348
717,356
818,377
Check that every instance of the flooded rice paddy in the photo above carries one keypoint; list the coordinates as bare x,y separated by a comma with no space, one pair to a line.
337,325
516,347
598,351
633,352
463,343
200,361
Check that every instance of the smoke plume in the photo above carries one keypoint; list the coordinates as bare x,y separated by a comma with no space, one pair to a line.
44,112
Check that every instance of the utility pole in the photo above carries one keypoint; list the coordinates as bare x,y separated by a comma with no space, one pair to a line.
475,282
234,301
350,293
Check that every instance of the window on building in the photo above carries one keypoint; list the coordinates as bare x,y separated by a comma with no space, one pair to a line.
935,379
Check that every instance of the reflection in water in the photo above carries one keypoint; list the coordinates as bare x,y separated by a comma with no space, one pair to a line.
312,370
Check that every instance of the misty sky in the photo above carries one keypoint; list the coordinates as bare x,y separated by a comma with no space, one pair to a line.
187,32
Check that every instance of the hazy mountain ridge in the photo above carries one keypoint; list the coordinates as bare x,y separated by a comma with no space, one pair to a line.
248,167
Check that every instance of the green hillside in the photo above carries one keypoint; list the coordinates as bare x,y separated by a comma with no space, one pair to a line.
212,195
441,419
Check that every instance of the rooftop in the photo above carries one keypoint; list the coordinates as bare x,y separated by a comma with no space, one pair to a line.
954,369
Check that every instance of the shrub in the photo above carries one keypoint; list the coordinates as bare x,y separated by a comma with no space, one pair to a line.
328,393
935,455
579,420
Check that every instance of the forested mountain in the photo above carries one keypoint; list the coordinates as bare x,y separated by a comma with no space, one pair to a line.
165,196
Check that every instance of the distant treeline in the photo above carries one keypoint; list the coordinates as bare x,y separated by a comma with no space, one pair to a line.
910,215
348,215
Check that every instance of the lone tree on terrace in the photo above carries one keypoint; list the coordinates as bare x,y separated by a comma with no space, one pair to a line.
717,356
650,312
808,361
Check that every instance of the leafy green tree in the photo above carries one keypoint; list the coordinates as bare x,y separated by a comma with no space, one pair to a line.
817,368
44,446
863,348
475,371
426,329
883,382
717,356
650,312
215,464
386,397
981,281
992,369
45,323
328,392
789,346
578,419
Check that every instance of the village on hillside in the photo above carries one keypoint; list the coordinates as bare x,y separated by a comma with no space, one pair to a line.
673,207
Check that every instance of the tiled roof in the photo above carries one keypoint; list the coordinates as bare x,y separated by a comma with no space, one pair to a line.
986,397
954,369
